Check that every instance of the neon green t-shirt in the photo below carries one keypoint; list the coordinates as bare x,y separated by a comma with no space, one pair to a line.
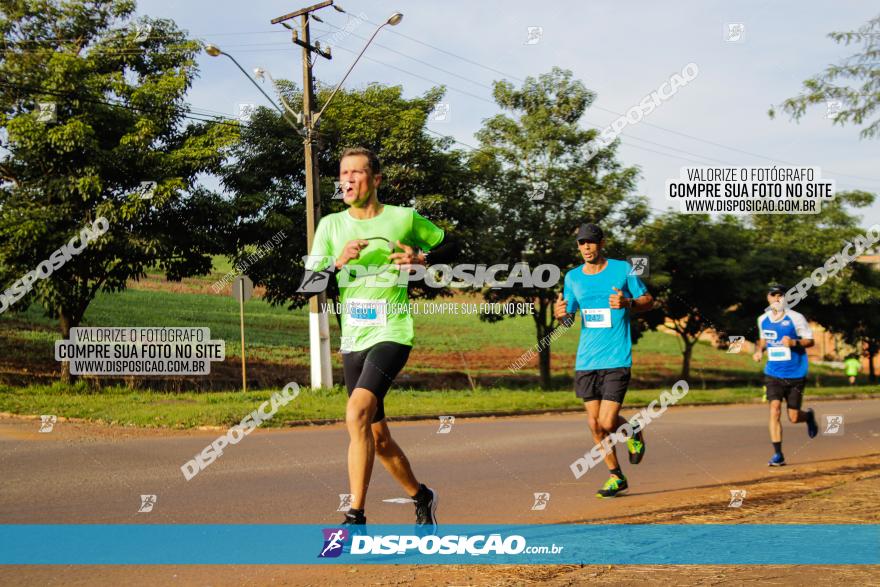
852,367
374,301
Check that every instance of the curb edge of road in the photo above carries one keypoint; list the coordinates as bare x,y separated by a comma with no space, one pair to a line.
423,418
554,411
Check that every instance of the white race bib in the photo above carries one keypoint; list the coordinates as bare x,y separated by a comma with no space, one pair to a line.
778,353
597,317
366,312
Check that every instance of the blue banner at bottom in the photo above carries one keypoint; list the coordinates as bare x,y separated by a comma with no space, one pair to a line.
252,544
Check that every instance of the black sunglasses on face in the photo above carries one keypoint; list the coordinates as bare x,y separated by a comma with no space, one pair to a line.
584,241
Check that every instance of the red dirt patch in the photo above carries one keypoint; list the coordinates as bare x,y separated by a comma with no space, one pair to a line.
189,285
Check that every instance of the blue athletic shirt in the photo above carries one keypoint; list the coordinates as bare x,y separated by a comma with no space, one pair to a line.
785,362
605,341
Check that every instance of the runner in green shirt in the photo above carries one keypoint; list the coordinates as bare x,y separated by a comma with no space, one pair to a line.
852,366
366,247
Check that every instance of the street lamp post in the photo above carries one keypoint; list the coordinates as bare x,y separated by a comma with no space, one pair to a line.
215,51
393,20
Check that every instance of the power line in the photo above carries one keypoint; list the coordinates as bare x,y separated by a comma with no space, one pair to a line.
472,62
624,142
659,127
188,113
481,84
420,61
703,158
155,37
655,209
465,59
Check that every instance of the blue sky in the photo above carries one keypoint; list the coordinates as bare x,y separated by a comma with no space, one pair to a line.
621,51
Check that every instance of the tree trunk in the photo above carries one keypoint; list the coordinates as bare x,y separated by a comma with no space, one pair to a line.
686,357
543,331
334,299
544,366
66,323
873,348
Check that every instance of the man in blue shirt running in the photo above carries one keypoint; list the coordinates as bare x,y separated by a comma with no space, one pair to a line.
786,334
604,293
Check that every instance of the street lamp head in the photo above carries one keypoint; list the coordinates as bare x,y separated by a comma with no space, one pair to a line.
212,50
393,20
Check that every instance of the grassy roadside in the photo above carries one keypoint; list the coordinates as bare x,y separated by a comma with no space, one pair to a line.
144,408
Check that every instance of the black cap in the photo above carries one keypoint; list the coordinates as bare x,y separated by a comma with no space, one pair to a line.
590,232
775,288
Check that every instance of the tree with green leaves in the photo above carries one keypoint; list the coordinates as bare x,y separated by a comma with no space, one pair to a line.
790,247
701,273
854,83
859,326
538,181
92,107
266,176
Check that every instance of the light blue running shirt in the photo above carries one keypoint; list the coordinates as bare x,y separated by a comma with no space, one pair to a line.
605,341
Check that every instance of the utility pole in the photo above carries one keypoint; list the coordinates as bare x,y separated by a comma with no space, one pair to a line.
319,324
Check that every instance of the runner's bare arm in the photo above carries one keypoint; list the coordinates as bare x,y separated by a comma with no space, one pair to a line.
351,251
560,311
643,303
804,343
759,349
446,250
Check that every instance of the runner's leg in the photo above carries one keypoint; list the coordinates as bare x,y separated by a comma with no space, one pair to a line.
381,365
593,408
775,424
393,458
794,399
795,416
359,414
609,415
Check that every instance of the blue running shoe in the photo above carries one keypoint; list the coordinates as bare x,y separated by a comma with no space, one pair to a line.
812,427
777,460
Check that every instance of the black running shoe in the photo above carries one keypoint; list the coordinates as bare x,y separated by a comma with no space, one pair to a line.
354,518
636,448
612,487
426,507
812,426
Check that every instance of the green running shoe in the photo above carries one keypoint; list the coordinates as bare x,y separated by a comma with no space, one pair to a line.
612,487
636,448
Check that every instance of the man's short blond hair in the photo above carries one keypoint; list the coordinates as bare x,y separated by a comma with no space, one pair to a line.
375,165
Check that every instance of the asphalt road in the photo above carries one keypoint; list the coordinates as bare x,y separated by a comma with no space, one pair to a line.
485,470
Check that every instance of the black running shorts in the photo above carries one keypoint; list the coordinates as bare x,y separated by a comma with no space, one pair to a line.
374,369
602,384
791,390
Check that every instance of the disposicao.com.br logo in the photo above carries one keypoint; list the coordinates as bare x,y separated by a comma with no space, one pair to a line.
335,539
